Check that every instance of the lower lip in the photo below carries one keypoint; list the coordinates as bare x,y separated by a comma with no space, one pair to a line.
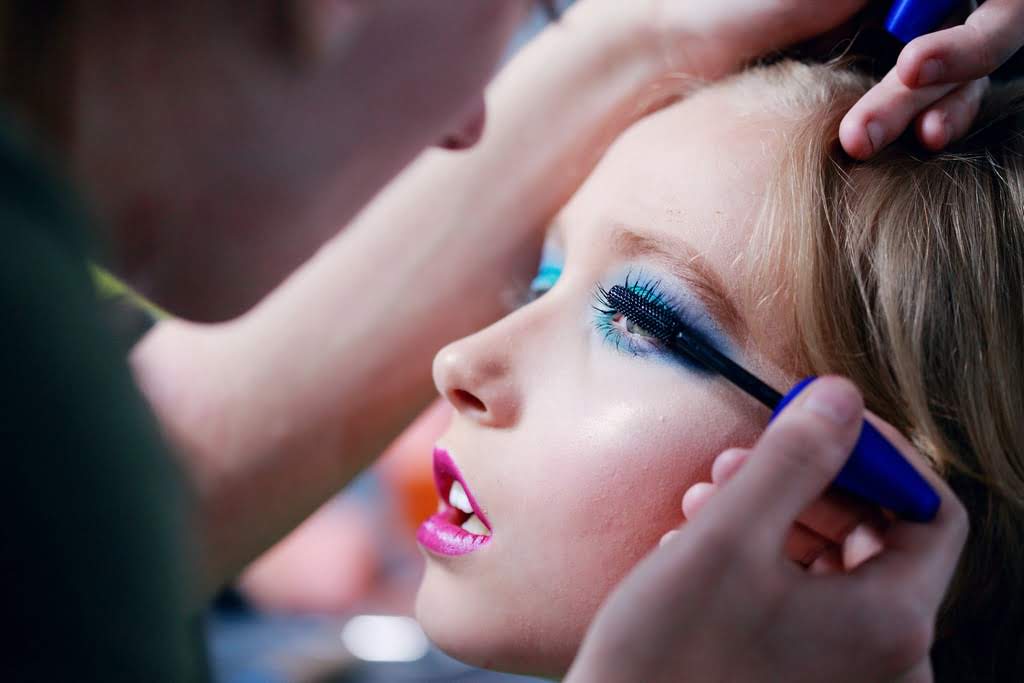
441,537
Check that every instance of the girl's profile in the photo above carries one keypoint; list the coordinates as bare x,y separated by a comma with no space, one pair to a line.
576,434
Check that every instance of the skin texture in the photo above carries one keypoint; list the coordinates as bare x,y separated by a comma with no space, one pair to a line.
579,453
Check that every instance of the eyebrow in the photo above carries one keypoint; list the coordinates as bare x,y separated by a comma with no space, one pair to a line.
687,264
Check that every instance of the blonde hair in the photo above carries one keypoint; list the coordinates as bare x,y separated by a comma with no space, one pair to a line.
906,274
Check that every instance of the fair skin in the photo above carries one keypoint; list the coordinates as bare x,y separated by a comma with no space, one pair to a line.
755,616
199,132
333,388
937,83
578,447
577,438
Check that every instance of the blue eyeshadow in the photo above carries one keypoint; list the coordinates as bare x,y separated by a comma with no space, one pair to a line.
552,262
664,292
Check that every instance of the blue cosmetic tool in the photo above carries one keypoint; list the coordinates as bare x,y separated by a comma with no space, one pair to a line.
875,470
908,19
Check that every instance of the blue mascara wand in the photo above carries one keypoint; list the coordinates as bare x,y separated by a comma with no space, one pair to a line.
875,470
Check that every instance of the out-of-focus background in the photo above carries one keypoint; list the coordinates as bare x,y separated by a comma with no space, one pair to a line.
333,602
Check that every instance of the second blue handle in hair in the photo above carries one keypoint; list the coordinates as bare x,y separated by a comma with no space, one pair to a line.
879,473
909,19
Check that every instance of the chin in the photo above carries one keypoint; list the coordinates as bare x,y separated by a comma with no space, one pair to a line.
480,629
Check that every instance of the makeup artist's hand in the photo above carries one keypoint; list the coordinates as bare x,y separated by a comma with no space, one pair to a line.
709,40
836,532
721,601
937,83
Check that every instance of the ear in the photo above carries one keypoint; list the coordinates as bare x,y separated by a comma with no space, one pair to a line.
322,29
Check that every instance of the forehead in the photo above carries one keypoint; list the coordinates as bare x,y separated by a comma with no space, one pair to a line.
696,171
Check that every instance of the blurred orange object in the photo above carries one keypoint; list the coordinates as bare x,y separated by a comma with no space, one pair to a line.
407,468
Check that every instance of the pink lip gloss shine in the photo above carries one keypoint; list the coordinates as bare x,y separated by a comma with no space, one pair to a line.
440,534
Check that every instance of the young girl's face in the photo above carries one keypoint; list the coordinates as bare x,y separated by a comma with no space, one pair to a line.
575,435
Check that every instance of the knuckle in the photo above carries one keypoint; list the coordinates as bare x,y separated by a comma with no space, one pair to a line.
920,49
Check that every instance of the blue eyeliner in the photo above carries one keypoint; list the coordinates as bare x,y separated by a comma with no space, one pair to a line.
875,470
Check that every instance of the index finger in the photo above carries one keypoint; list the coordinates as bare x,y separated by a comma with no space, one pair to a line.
883,113
972,50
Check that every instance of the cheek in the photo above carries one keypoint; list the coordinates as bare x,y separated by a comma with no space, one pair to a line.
579,492
607,491
631,464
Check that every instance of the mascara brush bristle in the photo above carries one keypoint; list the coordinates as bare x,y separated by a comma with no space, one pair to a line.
651,317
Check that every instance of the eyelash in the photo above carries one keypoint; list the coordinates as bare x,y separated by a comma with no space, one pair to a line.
639,344
627,341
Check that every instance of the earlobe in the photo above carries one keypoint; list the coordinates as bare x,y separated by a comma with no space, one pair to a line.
322,29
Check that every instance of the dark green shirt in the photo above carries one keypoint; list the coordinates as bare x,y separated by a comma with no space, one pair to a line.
94,577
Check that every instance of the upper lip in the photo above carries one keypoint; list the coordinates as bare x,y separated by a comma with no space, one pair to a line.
446,472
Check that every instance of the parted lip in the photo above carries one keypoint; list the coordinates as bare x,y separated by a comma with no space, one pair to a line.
445,473
442,534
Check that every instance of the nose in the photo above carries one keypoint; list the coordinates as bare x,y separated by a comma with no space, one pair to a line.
476,375
471,130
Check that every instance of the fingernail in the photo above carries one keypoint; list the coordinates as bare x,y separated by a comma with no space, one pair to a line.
931,72
668,537
834,402
876,133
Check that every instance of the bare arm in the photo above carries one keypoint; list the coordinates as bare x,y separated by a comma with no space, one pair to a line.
275,412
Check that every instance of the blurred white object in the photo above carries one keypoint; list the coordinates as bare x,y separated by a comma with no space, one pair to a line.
375,638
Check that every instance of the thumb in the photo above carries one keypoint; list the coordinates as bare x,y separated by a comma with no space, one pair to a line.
794,461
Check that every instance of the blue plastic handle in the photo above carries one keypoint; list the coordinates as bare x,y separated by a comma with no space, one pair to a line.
878,473
909,19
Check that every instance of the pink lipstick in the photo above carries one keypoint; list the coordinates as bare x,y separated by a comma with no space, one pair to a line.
459,526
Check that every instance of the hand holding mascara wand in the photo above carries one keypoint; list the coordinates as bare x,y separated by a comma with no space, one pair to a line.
869,624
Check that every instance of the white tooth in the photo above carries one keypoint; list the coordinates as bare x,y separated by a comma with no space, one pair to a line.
457,498
474,526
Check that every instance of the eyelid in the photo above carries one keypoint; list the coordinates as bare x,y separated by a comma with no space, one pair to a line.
687,265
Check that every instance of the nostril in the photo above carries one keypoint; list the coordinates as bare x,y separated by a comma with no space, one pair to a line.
463,400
